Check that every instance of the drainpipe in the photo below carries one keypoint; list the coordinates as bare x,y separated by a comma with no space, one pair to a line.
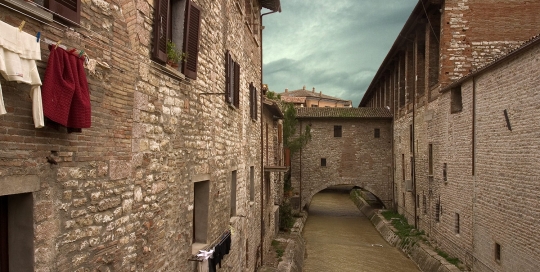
262,137
300,170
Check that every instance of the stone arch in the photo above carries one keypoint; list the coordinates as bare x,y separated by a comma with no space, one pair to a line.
382,194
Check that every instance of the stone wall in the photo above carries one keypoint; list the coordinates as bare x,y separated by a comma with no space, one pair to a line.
356,158
121,196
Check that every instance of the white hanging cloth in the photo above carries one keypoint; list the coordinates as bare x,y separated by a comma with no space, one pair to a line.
18,54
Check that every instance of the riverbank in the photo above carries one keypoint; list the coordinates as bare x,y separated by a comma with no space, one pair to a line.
415,248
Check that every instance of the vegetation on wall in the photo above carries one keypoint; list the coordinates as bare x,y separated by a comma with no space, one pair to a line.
291,140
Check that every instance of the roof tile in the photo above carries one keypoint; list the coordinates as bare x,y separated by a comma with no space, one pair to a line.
364,112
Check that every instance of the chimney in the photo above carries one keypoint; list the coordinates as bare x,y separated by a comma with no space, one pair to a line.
313,90
304,88
320,93
286,90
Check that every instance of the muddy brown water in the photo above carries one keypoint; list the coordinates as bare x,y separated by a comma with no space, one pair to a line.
340,238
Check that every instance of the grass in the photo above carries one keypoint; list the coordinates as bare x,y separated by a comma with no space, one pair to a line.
278,247
401,225
454,261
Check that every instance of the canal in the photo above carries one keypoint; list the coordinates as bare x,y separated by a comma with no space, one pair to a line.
340,238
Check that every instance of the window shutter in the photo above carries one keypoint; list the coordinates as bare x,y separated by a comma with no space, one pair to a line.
70,9
236,85
228,78
191,39
161,23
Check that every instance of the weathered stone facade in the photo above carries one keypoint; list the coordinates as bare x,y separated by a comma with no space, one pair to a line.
357,156
121,196
452,148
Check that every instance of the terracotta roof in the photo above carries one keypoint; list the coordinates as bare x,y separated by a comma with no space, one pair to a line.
532,41
308,93
364,112
273,5
292,99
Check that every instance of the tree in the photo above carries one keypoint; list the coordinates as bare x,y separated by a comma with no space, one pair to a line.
290,140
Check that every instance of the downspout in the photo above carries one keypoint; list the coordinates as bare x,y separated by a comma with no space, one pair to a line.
262,136
413,168
300,171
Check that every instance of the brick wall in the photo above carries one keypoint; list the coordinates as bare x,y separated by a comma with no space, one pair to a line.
356,158
121,196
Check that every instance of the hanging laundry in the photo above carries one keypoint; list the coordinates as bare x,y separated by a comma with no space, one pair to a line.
204,256
220,250
66,98
18,54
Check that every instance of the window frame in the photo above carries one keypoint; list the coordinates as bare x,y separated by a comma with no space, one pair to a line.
323,162
162,33
232,81
338,131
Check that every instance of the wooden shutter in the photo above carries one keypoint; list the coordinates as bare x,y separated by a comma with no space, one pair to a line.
228,72
69,9
192,28
236,85
161,24
4,257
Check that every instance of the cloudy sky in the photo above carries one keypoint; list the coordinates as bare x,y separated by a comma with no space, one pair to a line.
335,46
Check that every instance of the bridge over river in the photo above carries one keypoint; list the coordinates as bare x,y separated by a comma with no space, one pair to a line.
340,238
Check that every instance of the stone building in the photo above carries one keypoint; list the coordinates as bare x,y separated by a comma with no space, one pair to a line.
464,171
348,146
312,99
173,158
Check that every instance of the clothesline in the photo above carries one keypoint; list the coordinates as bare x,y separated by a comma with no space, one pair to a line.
219,240
88,38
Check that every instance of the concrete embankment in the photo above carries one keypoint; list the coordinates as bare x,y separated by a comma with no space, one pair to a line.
423,255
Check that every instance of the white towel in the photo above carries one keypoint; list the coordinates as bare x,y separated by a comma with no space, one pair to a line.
18,54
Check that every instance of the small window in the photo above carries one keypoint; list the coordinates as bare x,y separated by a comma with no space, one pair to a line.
430,159
411,138
438,211
253,101
177,21
323,161
424,204
233,193
403,167
252,183
314,106
201,193
377,133
497,252
267,187
337,131
445,172
456,102
69,9
456,227
232,88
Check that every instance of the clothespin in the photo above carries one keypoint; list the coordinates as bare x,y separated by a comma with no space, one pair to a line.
38,35
57,43
81,53
21,25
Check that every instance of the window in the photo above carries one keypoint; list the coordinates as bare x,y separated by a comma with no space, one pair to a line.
497,252
411,138
200,211
252,101
455,103
403,167
252,183
177,21
424,203
314,106
17,232
438,211
445,172
430,159
323,161
456,227
252,17
232,74
377,133
280,133
337,131
233,193
69,9
267,186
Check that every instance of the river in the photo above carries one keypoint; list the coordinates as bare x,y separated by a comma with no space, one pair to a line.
340,238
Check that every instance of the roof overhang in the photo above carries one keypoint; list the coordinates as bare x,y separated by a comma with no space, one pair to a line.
274,108
273,5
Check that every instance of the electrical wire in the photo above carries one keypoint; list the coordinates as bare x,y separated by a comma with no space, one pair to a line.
429,22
